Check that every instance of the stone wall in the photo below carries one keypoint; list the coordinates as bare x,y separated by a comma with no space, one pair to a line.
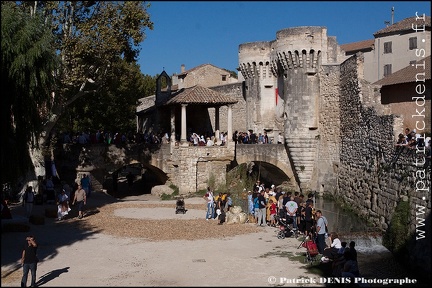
191,168
239,116
327,160
374,176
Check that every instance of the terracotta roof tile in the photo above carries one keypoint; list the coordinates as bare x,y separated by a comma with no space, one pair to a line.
407,74
200,66
404,25
358,46
201,96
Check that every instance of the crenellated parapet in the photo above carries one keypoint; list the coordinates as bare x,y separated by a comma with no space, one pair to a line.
254,60
294,61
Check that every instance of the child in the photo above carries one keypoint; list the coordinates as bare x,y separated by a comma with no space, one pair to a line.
272,213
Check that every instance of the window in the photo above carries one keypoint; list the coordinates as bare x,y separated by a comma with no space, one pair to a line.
387,47
387,70
412,43
223,77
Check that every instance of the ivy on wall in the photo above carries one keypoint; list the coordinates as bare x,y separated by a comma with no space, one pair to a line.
396,236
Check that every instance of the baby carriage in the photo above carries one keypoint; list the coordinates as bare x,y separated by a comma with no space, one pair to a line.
180,206
284,227
311,251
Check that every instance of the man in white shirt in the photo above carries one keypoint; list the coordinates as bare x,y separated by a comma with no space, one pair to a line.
291,208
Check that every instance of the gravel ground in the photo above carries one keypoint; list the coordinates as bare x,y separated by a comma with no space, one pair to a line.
140,241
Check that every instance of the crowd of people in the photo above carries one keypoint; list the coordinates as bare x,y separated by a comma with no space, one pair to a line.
218,205
264,203
411,139
251,137
108,137
63,195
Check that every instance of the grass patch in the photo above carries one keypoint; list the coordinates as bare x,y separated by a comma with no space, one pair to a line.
171,196
277,254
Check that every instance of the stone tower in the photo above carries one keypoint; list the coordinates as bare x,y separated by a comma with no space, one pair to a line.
282,79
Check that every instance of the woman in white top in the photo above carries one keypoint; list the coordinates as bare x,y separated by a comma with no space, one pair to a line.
332,251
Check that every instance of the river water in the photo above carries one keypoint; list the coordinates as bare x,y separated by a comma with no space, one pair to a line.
374,260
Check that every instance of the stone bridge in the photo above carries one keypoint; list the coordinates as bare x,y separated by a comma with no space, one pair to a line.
187,167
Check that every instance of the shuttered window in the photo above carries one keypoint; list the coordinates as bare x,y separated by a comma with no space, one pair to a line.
387,47
387,70
412,43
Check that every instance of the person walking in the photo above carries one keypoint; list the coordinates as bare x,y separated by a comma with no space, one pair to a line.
80,199
86,184
28,200
29,261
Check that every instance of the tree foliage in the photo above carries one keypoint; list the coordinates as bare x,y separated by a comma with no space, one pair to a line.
28,64
96,43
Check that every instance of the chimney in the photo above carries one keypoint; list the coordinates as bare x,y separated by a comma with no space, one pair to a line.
182,68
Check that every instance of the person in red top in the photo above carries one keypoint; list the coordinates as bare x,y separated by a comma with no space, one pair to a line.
272,213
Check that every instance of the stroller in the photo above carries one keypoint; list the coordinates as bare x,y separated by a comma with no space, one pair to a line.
311,251
180,206
285,229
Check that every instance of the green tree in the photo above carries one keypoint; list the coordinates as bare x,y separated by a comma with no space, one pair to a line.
113,107
92,39
28,63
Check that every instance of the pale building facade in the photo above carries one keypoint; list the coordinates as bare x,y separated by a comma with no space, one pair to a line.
394,47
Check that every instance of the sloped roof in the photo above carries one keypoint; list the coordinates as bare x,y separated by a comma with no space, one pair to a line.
200,66
358,46
405,25
200,95
407,74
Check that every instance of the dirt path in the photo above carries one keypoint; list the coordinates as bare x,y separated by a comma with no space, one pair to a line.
80,253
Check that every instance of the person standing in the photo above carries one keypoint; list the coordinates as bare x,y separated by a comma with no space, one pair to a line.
80,199
49,191
291,209
309,221
321,231
210,203
262,209
86,184
29,261
28,200
130,179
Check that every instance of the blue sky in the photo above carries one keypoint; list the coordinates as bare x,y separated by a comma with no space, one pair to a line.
200,32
